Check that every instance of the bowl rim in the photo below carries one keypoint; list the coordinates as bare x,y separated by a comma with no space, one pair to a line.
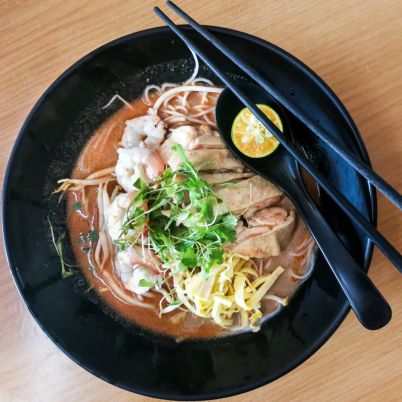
359,146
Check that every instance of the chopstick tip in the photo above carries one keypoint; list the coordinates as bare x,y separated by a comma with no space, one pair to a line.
172,5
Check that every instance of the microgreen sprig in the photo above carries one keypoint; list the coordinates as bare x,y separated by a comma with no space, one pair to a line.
179,212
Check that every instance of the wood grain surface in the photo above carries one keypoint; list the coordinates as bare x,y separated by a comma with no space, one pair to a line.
354,46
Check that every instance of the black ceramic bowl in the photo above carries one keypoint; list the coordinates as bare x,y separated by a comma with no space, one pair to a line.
131,358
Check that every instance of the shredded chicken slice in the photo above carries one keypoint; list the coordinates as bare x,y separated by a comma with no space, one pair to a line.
208,139
268,217
248,195
221,178
197,144
204,159
272,234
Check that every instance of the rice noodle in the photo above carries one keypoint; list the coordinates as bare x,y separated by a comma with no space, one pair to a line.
79,184
210,110
178,107
100,206
301,248
204,97
119,293
196,67
267,262
280,300
184,88
201,79
145,96
110,244
97,254
305,250
193,120
209,121
165,294
101,173
199,107
105,197
189,116
121,99
84,200
270,315
104,246
174,113
115,191
175,119
184,98
167,100
167,85
260,266
102,176
83,182
170,308
307,273
179,117
174,102
149,294
99,244
170,107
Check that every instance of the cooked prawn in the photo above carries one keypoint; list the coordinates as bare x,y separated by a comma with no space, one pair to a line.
137,163
137,273
148,130
115,213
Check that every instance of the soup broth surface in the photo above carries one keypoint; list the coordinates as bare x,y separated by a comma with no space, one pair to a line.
99,153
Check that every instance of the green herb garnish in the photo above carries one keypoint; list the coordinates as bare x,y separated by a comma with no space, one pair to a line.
58,246
93,235
180,214
77,206
146,284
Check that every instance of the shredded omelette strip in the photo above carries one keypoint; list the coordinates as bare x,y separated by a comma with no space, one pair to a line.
231,291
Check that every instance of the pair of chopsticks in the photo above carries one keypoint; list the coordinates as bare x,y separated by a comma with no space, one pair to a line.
377,181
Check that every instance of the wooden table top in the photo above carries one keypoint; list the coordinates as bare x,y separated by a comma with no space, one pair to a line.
354,46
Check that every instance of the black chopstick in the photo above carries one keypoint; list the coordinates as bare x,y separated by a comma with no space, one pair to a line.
377,238
366,171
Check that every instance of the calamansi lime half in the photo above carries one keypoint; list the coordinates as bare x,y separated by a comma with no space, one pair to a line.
250,137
